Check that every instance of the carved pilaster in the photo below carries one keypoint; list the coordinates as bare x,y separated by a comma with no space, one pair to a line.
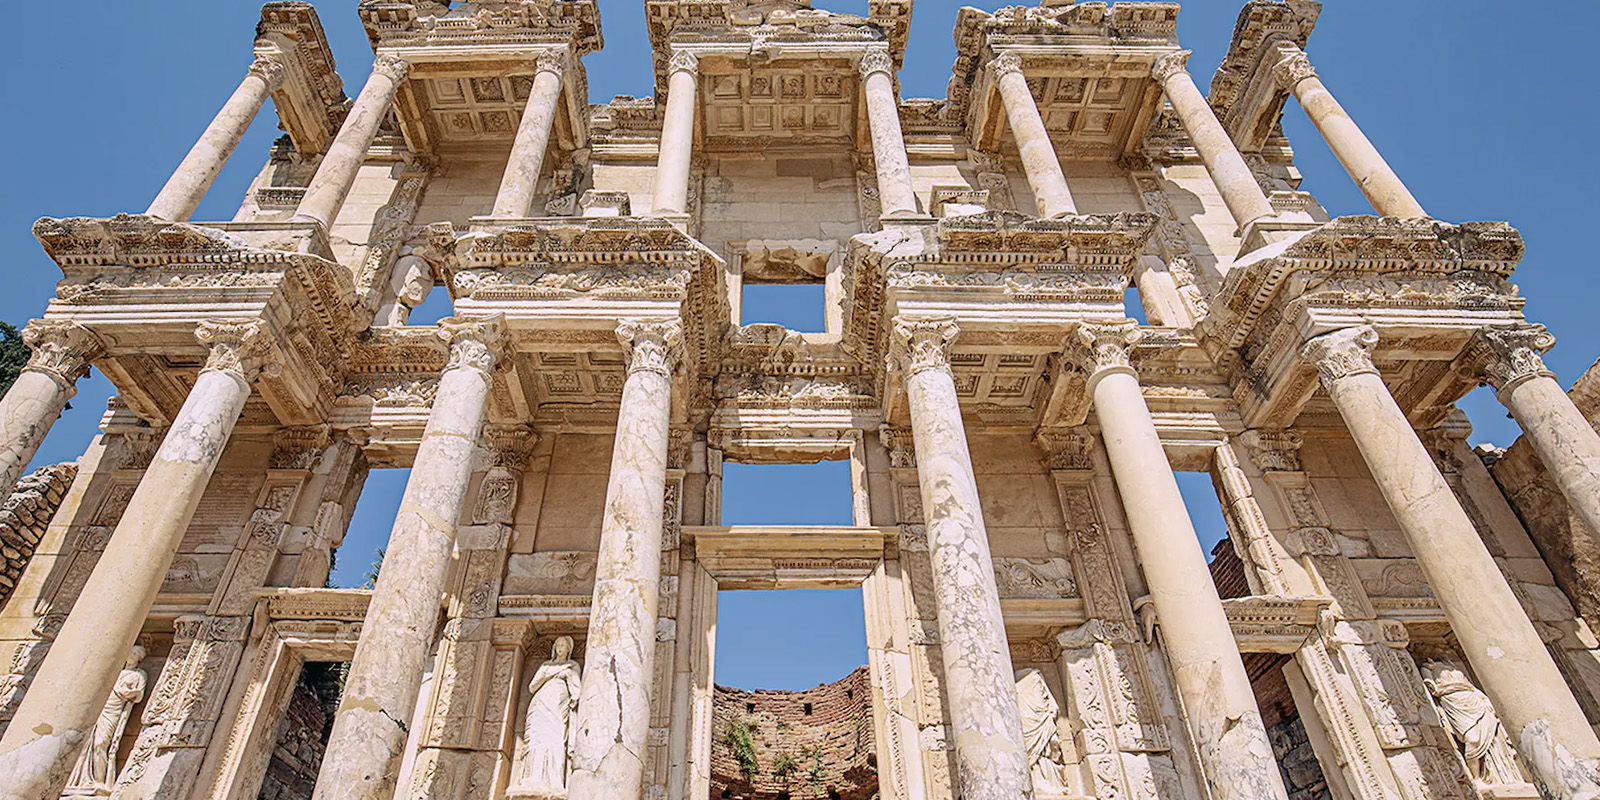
1506,357
62,350
243,348
1170,64
923,344
474,343
299,447
510,446
1343,353
652,345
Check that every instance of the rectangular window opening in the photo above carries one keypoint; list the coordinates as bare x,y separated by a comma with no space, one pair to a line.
799,307
357,559
787,494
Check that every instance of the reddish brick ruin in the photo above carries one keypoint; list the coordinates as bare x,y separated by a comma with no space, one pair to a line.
810,745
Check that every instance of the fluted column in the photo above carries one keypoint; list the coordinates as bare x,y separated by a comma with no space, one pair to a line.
1378,182
671,194
1232,176
888,142
199,168
608,748
61,354
58,713
369,731
979,684
1050,192
521,179
1234,750
337,172
1508,359
1541,716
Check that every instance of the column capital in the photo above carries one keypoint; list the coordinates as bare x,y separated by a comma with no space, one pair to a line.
1506,357
1170,64
1343,353
552,61
1107,348
510,446
391,66
1273,450
1292,67
1006,64
61,349
242,348
652,345
683,61
876,61
270,67
475,342
923,344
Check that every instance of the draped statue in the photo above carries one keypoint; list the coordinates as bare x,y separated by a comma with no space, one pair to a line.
96,770
1473,723
549,724
1039,732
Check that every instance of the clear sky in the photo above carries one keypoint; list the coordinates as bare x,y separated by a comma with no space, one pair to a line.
1478,105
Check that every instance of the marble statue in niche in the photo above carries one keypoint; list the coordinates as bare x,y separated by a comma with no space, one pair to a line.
552,712
1039,711
96,770
1473,724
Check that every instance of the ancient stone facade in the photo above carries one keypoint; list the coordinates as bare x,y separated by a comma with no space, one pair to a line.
1041,621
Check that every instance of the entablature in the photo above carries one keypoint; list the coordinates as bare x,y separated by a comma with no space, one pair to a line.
1246,97
310,102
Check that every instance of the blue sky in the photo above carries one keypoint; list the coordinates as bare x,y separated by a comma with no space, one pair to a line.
1474,104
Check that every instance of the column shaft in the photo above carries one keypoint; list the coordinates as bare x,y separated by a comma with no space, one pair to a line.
337,172
1232,741
978,678
888,142
58,713
609,745
1232,176
1366,166
369,731
1050,192
199,168
521,180
677,136
1541,716
61,354
1564,440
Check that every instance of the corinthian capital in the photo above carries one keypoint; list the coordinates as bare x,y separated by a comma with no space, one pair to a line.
923,344
1006,64
652,345
1505,357
876,61
552,61
475,343
1169,65
61,349
1108,347
270,67
392,67
240,347
1341,354
684,61
1292,67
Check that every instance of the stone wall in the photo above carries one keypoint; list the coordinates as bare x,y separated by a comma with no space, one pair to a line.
826,733
24,517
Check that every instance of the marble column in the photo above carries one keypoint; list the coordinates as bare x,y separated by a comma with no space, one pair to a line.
58,713
991,757
895,195
369,730
1228,171
608,748
671,195
1039,159
199,168
1234,750
1508,359
1541,716
61,354
521,179
337,172
1378,182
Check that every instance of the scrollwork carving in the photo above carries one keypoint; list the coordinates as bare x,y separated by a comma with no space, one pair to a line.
1006,64
1342,354
1507,357
652,345
1108,347
684,61
474,343
241,348
1292,68
552,61
61,349
923,344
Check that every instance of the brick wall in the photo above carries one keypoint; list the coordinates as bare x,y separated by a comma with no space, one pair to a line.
831,747
303,734
24,517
